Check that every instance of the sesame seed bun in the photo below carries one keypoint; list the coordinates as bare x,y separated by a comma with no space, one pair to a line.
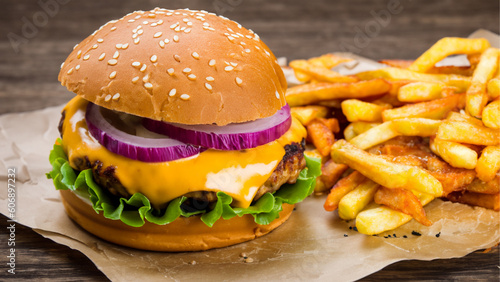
182,66
183,234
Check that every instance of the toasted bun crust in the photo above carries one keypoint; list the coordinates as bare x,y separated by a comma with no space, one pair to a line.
183,234
183,66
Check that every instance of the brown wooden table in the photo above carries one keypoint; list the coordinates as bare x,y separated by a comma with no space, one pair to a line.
36,38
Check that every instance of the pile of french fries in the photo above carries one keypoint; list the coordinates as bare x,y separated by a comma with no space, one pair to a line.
393,139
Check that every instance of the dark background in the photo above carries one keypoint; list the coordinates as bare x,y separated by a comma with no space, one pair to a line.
30,60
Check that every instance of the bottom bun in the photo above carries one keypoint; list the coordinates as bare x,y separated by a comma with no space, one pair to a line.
183,234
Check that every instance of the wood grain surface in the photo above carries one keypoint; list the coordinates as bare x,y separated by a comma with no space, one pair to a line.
30,60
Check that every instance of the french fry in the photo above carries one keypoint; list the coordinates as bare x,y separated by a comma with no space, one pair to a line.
420,92
384,172
491,115
445,47
335,103
390,129
339,190
462,117
476,94
328,60
321,136
489,163
331,123
306,114
465,132
330,174
401,200
378,219
319,72
436,109
356,128
310,93
488,201
479,186
459,81
374,136
356,200
456,154
396,84
466,71
494,88
356,110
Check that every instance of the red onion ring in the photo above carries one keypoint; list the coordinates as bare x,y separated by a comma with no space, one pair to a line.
135,147
236,136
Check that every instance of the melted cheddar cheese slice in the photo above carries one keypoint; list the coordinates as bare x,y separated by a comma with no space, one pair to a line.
237,173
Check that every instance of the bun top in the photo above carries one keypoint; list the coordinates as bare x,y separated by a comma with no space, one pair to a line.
182,66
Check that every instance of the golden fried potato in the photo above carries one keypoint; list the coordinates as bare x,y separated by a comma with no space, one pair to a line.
494,88
330,174
436,109
404,201
319,72
356,110
321,136
356,200
356,128
311,93
445,47
384,172
339,190
306,114
491,115
456,154
465,132
488,164
421,91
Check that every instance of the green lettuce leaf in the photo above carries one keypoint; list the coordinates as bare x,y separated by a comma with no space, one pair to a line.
137,209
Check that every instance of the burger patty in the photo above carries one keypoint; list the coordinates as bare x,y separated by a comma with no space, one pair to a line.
287,171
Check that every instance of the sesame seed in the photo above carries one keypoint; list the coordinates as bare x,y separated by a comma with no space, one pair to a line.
189,23
143,68
140,31
240,34
177,58
148,85
243,43
208,86
176,38
86,57
185,20
234,64
247,50
116,96
102,56
209,78
186,70
100,40
107,98
188,30
130,21
174,25
257,47
116,55
177,28
118,46
239,81
78,54
211,63
136,64
158,34
195,55
154,24
145,22
112,75
248,36
95,46
152,15
183,28
172,92
209,28
136,41
277,95
134,36
170,71
145,78
162,44
206,24
159,22
192,77
125,46
62,65
154,58
169,14
230,30
70,71
137,17
77,67
112,62
228,68
135,79
267,53
166,41
75,46
185,97
113,28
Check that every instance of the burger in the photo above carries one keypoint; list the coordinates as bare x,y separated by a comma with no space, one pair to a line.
179,137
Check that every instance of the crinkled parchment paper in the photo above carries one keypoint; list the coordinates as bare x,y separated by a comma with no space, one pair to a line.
312,244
